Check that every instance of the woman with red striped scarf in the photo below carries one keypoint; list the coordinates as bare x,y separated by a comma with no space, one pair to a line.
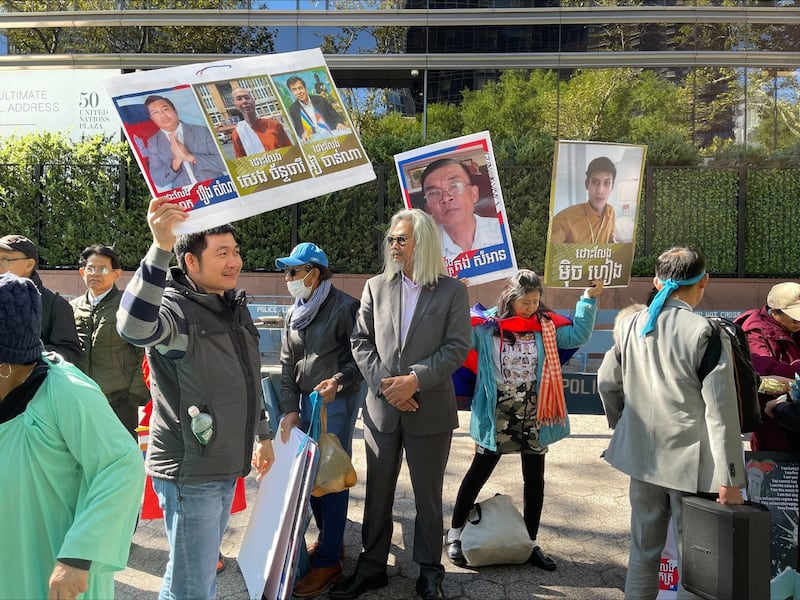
518,405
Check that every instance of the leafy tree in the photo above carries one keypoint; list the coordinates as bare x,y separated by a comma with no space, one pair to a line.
66,195
389,135
445,121
137,39
517,104
775,96
669,148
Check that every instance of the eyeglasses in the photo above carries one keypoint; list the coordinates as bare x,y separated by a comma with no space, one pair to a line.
4,261
92,270
293,271
454,189
400,239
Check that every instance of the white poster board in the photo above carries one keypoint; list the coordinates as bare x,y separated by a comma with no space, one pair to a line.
268,552
469,209
231,139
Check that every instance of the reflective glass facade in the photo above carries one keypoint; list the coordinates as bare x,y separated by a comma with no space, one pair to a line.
743,54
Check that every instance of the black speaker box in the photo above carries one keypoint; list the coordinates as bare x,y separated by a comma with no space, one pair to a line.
726,550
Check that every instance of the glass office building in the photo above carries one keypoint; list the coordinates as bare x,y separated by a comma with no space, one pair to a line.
418,52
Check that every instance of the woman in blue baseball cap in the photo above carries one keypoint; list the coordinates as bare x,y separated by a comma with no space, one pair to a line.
316,356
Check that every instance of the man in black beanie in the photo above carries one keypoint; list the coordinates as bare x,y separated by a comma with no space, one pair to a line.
77,478
19,255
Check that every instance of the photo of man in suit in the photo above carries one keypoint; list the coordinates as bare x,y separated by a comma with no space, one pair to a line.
180,153
674,436
412,331
312,116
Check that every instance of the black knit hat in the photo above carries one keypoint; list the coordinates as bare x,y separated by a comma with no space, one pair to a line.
19,243
20,320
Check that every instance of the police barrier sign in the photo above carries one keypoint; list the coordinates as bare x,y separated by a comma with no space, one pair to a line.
580,393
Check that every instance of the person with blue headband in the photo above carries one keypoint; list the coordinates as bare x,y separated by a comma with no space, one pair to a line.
673,435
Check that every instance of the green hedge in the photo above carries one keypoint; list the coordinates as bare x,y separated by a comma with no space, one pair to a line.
69,200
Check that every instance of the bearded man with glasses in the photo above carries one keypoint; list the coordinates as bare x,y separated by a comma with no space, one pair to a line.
20,256
114,364
412,331
450,198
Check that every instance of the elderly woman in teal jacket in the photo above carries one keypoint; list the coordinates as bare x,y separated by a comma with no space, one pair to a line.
518,405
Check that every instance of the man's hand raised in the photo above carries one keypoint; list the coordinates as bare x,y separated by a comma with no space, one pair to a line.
162,215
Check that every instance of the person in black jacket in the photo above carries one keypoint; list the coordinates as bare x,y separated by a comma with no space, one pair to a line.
316,355
20,256
114,364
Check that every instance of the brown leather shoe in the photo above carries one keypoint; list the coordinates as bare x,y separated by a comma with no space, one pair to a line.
318,580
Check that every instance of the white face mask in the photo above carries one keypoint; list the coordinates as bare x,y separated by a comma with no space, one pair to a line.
298,289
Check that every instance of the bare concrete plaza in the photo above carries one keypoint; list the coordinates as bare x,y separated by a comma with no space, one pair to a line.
584,528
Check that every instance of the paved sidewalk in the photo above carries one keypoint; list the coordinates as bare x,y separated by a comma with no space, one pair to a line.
584,528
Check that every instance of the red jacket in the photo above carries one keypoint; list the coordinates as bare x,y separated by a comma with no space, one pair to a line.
774,351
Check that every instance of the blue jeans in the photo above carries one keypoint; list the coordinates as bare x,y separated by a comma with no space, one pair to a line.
195,516
330,511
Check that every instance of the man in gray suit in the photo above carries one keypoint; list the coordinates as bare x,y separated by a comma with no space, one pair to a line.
180,153
412,331
673,435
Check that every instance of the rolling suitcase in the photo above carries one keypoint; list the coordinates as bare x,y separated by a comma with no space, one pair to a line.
726,550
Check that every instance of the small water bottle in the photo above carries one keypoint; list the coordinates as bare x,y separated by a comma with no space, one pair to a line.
202,425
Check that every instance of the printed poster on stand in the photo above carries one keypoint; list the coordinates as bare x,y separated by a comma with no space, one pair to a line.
772,480
456,182
594,197
231,139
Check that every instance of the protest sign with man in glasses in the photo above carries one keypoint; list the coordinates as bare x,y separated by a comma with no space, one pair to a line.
456,182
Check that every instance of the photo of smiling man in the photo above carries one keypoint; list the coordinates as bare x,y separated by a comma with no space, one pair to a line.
180,153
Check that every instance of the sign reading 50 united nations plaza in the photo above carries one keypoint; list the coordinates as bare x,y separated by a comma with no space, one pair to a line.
73,101
231,139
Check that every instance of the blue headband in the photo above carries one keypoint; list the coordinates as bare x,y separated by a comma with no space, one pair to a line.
668,286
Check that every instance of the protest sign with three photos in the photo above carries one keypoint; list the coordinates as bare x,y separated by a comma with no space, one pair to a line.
231,139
